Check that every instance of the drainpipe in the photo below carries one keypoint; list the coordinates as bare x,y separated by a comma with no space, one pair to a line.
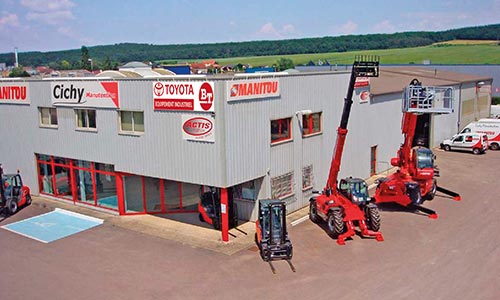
459,107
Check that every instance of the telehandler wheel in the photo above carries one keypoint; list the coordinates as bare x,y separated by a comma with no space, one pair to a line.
11,206
313,212
335,223
372,218
430,195
28,200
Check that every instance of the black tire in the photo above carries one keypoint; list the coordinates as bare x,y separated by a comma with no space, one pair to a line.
28,200
216,223
335,223
494,146
313,212
476,151
446,147
201,218
372,218
430,195
11,206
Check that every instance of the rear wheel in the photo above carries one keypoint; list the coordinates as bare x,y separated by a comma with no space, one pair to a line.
313,212
372,218
335,223
11,206
446,148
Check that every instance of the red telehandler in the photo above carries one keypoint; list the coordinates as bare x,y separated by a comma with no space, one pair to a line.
344,206
414,181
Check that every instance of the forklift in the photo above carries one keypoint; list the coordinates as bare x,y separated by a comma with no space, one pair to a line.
209,208
271,235
13,194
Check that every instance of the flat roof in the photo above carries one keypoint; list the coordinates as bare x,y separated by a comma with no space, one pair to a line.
395,79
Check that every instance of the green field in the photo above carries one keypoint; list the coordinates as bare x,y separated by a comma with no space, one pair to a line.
447,53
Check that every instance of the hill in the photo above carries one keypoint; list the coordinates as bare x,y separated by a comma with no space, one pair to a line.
331,46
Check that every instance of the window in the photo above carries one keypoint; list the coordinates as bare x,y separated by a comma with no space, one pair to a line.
85,119
311,124
281,130
282,186
48,116
307,177
132,121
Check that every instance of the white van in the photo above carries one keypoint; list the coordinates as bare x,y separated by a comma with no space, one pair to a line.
489,127
475,142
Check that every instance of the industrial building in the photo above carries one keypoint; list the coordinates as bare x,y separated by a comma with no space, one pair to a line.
150,145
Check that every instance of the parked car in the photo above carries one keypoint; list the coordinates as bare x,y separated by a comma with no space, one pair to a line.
475,142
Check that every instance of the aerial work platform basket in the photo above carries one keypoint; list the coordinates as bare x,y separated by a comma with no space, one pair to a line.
427,99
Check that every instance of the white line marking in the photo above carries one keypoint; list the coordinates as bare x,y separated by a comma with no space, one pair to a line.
298,221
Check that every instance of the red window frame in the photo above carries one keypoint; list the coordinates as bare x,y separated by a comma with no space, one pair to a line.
308,124
281,130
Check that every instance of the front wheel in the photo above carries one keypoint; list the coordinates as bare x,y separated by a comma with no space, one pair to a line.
432,192
494,146
372,218
335,223
476,151
313,212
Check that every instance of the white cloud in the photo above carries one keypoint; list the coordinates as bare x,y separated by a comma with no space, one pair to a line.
48,5
9,20
348,28
384,27
52,18
268,31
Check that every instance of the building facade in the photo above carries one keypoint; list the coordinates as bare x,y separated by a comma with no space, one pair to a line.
153,145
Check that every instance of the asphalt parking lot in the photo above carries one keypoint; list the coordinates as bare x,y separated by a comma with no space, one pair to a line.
456,256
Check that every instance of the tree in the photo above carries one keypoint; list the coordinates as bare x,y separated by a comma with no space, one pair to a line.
19,72
107,64
65,65
85,61
284,64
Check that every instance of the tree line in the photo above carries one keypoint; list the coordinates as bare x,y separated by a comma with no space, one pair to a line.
111,56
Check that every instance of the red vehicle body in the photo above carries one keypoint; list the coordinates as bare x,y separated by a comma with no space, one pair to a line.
13,194
414,182
347,205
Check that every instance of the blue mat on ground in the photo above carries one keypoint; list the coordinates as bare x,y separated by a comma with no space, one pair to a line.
54,225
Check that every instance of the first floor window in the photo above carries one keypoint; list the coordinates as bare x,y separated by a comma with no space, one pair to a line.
281,130
132,121
85,118
311,123
48,116
282,186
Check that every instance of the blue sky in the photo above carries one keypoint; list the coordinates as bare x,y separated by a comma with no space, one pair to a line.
52,25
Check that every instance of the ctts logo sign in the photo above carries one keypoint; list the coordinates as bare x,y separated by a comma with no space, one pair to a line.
197,128
188,96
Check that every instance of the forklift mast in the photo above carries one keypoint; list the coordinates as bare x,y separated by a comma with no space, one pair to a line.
363,66
1,185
